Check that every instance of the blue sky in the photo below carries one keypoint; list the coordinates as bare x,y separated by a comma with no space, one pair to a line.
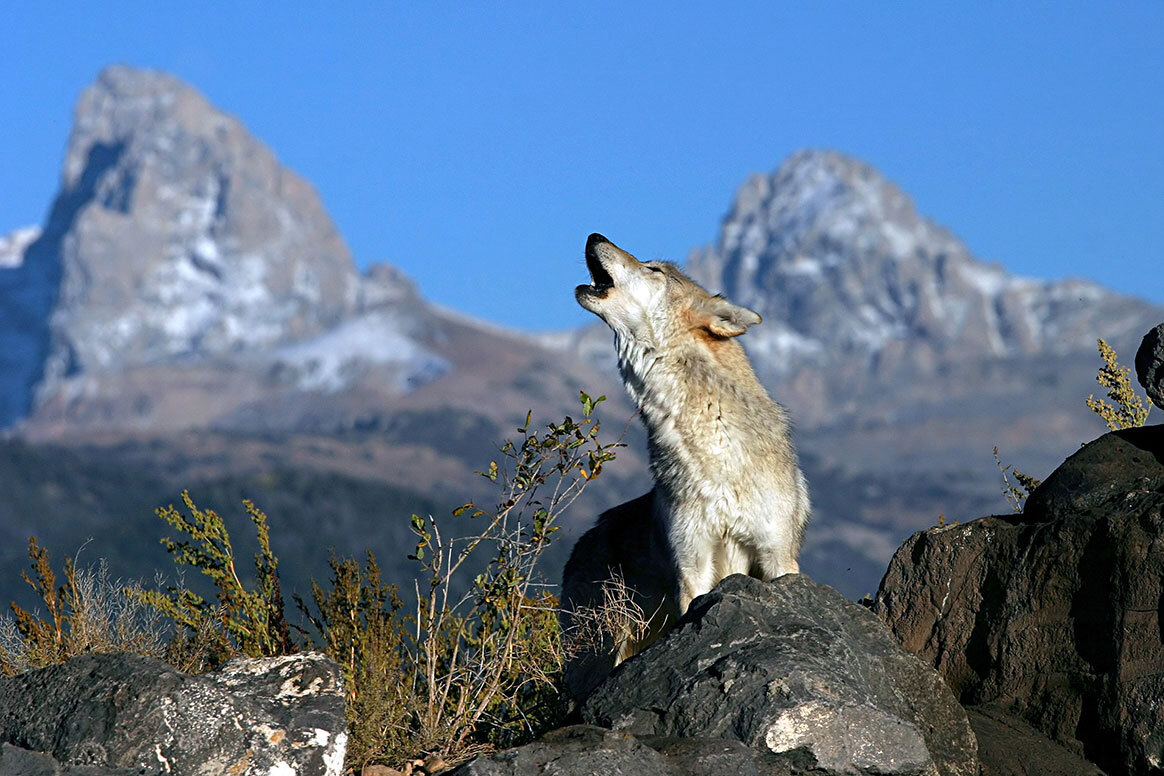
475,145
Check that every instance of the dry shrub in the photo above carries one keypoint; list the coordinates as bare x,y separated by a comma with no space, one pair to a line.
88,612
458,675
618,621
1128,410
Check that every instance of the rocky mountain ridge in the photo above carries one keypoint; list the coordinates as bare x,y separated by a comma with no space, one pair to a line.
841,264
178,237
179,259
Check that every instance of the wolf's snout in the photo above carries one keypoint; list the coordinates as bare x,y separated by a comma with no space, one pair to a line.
593,240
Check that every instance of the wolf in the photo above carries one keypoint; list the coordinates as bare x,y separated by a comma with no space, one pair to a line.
729,496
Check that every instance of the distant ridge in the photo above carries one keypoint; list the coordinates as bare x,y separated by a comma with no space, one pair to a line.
841,265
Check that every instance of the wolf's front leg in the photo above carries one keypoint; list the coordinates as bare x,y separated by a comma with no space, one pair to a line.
776,562
696,577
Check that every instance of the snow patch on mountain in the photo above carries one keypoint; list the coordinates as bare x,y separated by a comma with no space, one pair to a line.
332,361
13,245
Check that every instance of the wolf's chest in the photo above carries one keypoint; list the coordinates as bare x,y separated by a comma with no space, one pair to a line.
711,470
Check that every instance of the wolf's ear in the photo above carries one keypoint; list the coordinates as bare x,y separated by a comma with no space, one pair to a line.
724,319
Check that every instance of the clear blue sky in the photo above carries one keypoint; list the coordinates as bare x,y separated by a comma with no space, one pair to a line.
475,145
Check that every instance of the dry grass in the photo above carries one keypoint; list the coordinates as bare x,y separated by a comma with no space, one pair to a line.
612,627
90,611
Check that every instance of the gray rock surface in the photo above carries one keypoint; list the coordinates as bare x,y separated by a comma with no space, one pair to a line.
15,761
1150,365
585,750
791,666
122,711
1053,615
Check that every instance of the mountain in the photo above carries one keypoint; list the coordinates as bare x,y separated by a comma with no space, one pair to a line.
871,309
843,268
189,317
177,238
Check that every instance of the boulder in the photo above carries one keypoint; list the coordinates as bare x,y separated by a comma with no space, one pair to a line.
791,667
1150,365
1010,747
119,711
1054,615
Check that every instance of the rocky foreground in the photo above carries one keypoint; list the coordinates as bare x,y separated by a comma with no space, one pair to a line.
1020,645
123,715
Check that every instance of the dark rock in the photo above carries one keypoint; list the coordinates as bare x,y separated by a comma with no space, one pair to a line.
15,761
1150,365
1101,475
584,750
1010,747
1054,615
791,666
577,750
270,716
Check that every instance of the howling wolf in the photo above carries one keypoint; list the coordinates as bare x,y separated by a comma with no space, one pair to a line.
729,496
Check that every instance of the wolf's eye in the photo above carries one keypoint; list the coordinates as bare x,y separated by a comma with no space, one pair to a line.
653,269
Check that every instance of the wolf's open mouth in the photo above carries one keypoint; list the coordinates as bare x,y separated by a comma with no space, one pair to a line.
600,279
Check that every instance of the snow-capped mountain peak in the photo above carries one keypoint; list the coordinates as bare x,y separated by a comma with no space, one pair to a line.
839,263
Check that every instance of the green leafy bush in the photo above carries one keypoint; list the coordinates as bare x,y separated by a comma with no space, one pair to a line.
242,621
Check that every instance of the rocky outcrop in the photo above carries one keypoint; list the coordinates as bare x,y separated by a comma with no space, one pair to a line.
792,668
1150,365
1006,747
1054,615
99,714
1010,747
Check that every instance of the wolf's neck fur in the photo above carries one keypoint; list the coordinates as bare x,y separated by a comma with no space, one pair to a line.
685,393
636,361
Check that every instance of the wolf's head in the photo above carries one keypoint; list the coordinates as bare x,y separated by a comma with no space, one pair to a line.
652,304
